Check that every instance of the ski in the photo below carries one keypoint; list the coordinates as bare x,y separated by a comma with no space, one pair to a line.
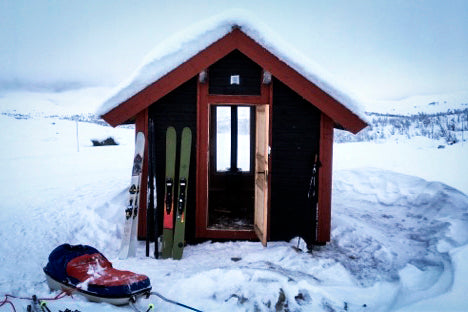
128,246
168,220
179,235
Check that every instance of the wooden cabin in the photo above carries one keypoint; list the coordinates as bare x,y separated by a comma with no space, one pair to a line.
259,124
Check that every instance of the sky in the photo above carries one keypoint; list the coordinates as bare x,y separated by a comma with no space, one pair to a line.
376,49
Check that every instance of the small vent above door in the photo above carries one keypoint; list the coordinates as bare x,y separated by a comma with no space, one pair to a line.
235,74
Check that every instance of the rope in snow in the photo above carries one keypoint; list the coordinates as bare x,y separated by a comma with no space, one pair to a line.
174,302
43,305
33,298
151,306
5,301
59,296
134,307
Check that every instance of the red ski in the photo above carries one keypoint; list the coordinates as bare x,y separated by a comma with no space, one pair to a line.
168,221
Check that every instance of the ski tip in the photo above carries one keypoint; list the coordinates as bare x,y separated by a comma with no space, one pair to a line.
171,134
140,135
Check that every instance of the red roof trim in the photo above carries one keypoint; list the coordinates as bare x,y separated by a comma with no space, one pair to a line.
236,40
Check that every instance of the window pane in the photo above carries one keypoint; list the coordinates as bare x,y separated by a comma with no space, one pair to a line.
223,138
243,138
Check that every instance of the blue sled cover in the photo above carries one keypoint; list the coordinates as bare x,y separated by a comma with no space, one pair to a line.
84,269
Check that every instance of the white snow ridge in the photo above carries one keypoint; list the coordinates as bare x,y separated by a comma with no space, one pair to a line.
399,242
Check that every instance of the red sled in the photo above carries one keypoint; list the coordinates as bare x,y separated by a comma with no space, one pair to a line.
85,270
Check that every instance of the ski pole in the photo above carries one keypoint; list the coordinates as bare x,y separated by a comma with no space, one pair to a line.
155,192
150,211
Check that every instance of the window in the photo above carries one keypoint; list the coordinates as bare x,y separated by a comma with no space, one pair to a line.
233,138
243,138
223,138
235,79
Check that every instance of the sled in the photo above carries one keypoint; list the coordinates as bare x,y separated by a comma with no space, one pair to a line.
83,269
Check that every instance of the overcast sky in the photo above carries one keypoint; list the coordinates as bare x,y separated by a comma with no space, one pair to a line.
376,49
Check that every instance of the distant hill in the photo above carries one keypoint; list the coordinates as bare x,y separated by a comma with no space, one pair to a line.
427,104
83,101
442,118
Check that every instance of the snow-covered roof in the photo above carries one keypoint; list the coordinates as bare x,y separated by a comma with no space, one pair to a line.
179,48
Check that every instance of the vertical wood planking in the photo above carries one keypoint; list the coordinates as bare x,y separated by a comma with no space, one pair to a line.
325,179
203,136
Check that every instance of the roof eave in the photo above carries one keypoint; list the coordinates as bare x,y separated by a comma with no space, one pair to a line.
236,39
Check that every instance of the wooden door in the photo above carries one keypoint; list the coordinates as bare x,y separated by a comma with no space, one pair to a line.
261,172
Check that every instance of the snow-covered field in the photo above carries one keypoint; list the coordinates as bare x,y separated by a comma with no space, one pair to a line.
399,238
428,104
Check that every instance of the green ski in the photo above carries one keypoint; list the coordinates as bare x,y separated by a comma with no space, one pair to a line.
168,221
179,235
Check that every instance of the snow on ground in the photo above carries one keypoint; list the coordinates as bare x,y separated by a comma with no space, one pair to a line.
399,228
418,156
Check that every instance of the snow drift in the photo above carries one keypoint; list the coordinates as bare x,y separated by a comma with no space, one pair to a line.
395,238
399,242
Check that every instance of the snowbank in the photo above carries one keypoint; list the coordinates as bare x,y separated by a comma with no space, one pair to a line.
455,299
398,229
170,53
397,240
418,156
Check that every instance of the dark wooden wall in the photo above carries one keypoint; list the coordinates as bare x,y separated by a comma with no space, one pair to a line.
295,141
177,109
235,63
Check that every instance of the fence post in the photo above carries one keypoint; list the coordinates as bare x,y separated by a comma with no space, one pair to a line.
77,137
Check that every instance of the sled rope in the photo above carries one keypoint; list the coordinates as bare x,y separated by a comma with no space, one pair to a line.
5,301
174,302
59,296
45,308
41,301
135,308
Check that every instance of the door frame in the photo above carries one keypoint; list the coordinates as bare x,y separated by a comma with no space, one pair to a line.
204,102
241,180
